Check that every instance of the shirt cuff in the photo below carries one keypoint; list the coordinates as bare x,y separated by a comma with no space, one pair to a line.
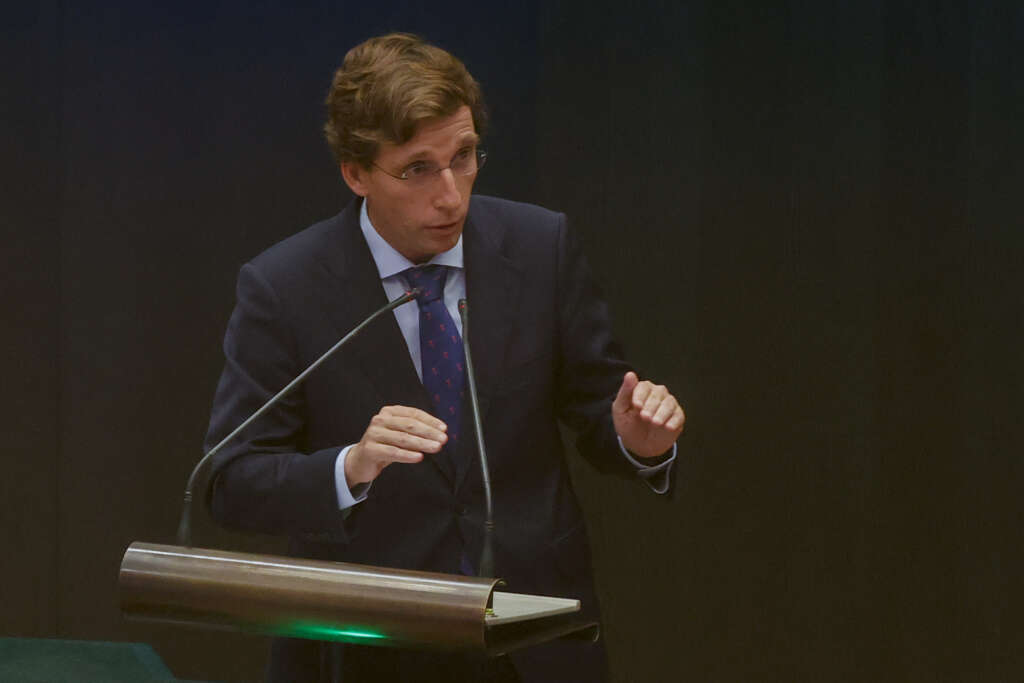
655,476
348,497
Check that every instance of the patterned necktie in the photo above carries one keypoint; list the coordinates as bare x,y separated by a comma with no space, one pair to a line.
441,355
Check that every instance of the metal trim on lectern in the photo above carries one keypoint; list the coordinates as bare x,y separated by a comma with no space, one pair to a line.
337,601
304,598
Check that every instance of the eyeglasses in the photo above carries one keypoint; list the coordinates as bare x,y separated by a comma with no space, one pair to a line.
420,173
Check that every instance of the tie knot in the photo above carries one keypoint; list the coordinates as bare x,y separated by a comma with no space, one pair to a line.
429,280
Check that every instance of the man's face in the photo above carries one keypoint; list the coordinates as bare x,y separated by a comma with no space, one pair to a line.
419,221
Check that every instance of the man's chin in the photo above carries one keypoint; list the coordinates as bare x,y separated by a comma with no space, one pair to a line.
446,236
433,245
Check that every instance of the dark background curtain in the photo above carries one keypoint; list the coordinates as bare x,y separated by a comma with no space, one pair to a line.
806,216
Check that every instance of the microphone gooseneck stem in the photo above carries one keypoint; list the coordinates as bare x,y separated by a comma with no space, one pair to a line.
486,566
185,524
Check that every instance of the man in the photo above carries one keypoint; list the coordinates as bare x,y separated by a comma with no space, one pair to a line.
372,460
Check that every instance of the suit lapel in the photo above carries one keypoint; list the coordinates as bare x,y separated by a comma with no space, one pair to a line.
381,351
492,293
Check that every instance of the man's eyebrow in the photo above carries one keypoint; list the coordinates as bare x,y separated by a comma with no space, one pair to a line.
416,156
465,139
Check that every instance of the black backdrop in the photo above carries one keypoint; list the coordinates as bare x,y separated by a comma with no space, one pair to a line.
806,217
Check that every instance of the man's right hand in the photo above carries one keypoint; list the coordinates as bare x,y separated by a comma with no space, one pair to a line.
396,434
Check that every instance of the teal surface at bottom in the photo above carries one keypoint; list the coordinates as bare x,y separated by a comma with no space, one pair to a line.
44,660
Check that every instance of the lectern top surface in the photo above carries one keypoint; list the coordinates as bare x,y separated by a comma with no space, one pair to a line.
509,608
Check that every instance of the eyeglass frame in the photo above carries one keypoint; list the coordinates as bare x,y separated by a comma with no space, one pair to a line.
479,153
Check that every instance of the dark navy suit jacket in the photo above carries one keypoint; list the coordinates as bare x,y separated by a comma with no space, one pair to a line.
543,352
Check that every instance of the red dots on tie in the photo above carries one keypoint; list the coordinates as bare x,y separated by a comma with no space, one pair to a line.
441,326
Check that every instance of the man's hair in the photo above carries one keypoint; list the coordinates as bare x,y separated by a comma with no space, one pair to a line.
386,87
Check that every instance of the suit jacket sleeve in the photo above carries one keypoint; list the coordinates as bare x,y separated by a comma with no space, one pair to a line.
591,366
264,486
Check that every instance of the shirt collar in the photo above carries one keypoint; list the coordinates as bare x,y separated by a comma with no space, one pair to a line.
389,262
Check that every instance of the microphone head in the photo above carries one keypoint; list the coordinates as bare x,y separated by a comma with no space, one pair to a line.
414,293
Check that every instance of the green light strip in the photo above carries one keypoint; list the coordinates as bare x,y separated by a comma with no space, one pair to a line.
316,631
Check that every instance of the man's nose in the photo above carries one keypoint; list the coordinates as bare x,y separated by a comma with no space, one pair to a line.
448,195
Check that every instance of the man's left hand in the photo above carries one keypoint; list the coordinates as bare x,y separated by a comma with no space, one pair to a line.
647,417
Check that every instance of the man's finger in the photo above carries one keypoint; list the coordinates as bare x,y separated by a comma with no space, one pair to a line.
385,453
640,394
624,397
402,455
678,419
665,410
412,427
414,413
419,423
409,442
654,398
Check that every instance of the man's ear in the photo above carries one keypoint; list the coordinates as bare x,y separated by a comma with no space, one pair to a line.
355,177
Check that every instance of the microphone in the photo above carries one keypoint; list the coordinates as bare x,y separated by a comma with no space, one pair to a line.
486,566
185,524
